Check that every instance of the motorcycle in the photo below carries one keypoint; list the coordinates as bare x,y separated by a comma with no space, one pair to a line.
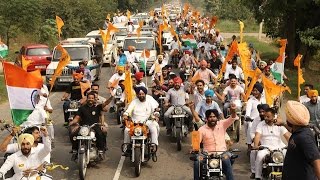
273,163
87,152
236,125
316,131
142,150
161,106
211,163
73,108
119,105
179,129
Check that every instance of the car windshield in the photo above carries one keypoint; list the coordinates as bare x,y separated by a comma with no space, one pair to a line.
38,51
122,32
139,44
76,53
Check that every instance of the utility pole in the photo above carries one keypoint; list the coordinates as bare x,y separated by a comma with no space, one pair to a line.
260,30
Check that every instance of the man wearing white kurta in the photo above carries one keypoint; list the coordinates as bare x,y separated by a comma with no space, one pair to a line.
140,109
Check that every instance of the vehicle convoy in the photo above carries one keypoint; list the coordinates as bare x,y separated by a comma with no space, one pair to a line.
37,53
78,50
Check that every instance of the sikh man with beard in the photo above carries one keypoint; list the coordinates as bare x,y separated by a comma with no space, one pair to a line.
140,109
28,158
261,108
313,106
212,136
89,114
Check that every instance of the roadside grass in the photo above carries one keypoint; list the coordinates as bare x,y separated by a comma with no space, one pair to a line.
3,90
232,26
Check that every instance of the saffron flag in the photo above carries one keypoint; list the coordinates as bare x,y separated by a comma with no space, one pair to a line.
161,26
25,63
195,77
277,68
139,29
241,30
213,21
254,79
63,62
272,90
60,23
296,63
112,28
232,51
22,92
128,86
128,14
84,87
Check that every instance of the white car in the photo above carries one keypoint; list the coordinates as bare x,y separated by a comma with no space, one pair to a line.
78,49
110,52
167,39
121,34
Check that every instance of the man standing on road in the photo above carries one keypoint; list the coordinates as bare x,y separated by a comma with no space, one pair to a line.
98,51
302,159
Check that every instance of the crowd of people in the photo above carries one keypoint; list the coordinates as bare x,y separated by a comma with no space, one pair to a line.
211,99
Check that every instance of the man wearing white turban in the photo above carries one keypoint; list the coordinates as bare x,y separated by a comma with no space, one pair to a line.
27,158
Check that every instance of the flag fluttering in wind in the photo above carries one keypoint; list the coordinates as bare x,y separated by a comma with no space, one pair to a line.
3,50
25,63
257,73
143,63
63,62
272,91
60,23
277,68
151,13
241,30
128,86
174,34
128,14
296,63
139,29
232,51
189,40
23,89
161,27
245,56
213,21
112,28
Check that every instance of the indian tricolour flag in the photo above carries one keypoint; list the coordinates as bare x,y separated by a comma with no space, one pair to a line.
3,50
277,68
189,40
22,88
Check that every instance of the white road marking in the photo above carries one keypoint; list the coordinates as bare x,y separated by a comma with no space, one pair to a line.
119,168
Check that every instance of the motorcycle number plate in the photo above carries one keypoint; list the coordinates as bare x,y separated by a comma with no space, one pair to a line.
178,116
275,164
214,170
84,137
72,110
138,137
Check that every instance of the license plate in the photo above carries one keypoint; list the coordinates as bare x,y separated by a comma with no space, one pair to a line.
72,110
83,137
65,79
138,137
214,170
275,164
178,116
40,67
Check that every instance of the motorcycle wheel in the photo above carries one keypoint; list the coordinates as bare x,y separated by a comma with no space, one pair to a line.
178,135
82,166
137,161
237,128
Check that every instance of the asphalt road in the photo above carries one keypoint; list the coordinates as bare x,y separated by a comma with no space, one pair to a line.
171,164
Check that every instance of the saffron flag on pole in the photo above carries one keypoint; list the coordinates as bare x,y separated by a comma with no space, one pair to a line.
232,51
241,30
25,63
272,91
22,92
63,62
296,63
277,68
60,23
255,78
128,86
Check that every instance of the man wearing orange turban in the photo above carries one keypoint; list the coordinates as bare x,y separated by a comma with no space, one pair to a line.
139,78
302,160
313,106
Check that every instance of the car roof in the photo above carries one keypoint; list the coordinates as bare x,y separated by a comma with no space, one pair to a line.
35,46
97,32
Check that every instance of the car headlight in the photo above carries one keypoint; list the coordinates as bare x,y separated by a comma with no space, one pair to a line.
73,105
178,110
84,131
118,92
49,71
214,163
277,157
138,131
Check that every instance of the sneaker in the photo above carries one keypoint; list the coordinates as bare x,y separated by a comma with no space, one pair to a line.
74,155
169,132
66,124
253,175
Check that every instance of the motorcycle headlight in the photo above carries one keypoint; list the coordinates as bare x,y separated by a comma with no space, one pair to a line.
49,71
118,92
178,110
84,131
214,163
73,105
138,131
277,157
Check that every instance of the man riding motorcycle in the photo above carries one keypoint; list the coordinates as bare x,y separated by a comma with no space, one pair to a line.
234,69
212,136
177,96
186,62
89,114
204,73
268,135
139,110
